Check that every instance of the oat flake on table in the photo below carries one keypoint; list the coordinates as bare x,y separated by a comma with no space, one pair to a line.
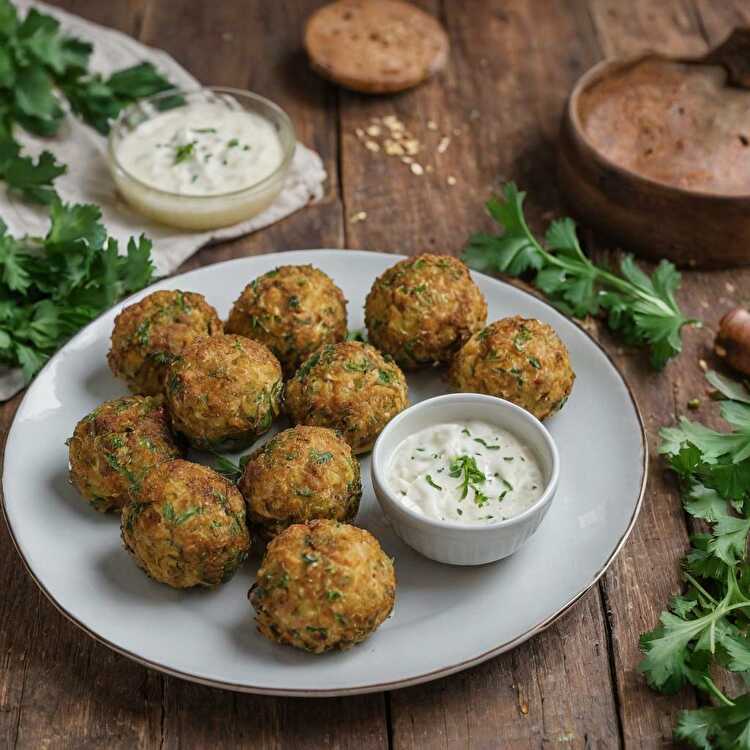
88,181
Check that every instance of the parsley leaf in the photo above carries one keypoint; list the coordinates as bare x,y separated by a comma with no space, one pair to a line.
465,468
183,152
707,626
227,468
642,309
52,286
39,63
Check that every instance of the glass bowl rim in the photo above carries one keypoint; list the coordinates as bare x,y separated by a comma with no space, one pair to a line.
283,119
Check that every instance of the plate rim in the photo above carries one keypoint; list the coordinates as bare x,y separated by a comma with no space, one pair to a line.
373,687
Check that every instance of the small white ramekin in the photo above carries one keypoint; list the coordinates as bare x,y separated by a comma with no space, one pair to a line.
449,541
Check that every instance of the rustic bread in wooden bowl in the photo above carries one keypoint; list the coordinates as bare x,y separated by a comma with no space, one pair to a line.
655,153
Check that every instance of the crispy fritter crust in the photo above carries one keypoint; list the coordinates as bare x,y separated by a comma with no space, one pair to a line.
323,585
350,387
422,310
115,446
224,391
149,334
299,475
518,359
293,310
187,526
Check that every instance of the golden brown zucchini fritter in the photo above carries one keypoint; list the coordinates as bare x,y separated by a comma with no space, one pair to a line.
299,475
186,527
293,310
323,585
224,391
150,333
422,310
115,446
518,359
350,387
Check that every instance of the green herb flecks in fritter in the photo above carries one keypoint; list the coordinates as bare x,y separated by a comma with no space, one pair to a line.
115,446
224,391
299,475
323,585
422,310
350,387
186,526
518,359
149,334
293,310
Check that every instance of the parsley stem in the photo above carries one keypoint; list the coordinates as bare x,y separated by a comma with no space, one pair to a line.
585,265
700,588
711,688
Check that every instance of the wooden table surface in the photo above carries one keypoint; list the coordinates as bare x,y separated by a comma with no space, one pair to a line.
500,99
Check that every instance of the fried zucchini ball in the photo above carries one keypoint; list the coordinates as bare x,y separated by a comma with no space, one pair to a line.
186,527
223,391
350,387
518,359
323,585
299,475
115,446
293,310
423,310
150,333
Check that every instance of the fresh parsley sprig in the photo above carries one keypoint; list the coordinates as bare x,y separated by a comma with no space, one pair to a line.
231,470
38,62
642,309
708,625
52,286
465,468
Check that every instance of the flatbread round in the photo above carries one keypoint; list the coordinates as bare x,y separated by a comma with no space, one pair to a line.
375,46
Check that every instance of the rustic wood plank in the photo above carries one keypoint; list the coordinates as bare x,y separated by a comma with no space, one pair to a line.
718,19
549,692
62,687
642,579
708,297
244,34
512,65
204,717
626,29
126,15
257,46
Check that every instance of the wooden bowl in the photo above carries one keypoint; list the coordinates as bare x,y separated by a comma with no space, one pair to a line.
655,153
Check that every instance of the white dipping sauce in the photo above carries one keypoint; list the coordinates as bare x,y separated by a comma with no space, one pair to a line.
202,149
469,472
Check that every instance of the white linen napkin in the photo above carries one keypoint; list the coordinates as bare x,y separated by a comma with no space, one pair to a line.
88,181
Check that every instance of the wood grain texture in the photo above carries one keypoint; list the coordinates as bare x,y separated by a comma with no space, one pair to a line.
552,691
62,687
707,297
19,607
506,107
629,28
499,102
256,45
634,596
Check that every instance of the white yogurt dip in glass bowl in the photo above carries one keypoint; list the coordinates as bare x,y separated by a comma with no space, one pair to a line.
459,500
201,159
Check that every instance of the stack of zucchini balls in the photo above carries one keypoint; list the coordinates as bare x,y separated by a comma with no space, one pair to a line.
322,583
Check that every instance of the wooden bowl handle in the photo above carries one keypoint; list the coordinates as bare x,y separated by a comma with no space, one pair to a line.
733,54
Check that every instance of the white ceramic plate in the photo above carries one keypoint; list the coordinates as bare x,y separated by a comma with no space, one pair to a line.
446,618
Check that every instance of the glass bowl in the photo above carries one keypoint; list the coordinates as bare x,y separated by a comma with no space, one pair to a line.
200,212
